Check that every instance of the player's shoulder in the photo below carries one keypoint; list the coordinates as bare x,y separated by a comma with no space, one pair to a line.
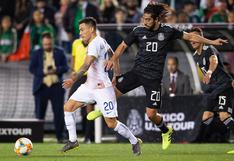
167,27
139,28
77,42
98,42
209,49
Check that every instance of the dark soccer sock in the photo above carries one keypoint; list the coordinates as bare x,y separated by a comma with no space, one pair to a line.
204,130
162,126
229,122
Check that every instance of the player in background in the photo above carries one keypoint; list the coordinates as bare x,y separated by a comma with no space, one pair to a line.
218,95
97,88
153,39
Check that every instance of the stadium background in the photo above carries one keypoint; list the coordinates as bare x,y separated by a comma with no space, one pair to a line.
16,99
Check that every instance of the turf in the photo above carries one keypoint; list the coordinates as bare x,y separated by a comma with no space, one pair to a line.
122,152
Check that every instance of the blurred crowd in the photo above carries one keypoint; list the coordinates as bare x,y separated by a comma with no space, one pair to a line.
59,17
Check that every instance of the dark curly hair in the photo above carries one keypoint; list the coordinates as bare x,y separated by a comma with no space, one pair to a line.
157,10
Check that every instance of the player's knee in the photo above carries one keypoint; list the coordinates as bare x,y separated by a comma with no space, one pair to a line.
223,116
67,108
151,114
206,115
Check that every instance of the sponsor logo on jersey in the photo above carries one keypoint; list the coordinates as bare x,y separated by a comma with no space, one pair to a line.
144,37
161,36
135,122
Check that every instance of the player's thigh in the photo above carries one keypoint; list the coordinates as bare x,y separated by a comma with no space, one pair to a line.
225,101
126,83
153,93
72,105
81,97
76,85
106,101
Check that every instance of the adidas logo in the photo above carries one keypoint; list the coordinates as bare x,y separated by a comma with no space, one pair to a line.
221,107
144,37
155,104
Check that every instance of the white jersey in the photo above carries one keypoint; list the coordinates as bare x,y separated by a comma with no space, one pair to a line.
97,77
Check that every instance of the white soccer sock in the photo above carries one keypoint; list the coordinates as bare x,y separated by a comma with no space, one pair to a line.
71,125
124,131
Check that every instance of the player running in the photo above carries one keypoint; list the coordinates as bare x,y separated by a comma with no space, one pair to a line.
153,39
219,94
98,88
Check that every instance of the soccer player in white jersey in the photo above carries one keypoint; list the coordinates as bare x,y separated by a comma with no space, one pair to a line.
98,88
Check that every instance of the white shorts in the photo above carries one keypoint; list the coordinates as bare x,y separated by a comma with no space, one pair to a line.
105,99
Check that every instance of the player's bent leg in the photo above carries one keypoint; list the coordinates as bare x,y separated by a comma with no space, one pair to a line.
227,119
206,126
69,117
166,130
97,113
124,131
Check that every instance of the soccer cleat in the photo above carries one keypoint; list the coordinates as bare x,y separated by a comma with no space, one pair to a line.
69,146
166,138
136,148
93,115
230,152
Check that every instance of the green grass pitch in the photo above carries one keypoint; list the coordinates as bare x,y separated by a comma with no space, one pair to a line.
122,152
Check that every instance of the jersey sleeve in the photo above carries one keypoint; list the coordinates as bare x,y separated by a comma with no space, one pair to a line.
131,38
93,49
177,34
211,51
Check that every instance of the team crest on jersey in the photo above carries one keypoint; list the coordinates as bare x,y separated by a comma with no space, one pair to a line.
161,36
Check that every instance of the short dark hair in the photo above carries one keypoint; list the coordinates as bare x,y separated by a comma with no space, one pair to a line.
157,10
47,35
89,21
175,59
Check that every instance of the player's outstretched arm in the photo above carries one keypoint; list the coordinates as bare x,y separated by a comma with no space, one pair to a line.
197,38
118,52
67,83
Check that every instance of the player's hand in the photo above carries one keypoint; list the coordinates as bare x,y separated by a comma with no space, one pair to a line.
206,78
67,83
219,42
233,84
114,80
109,64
